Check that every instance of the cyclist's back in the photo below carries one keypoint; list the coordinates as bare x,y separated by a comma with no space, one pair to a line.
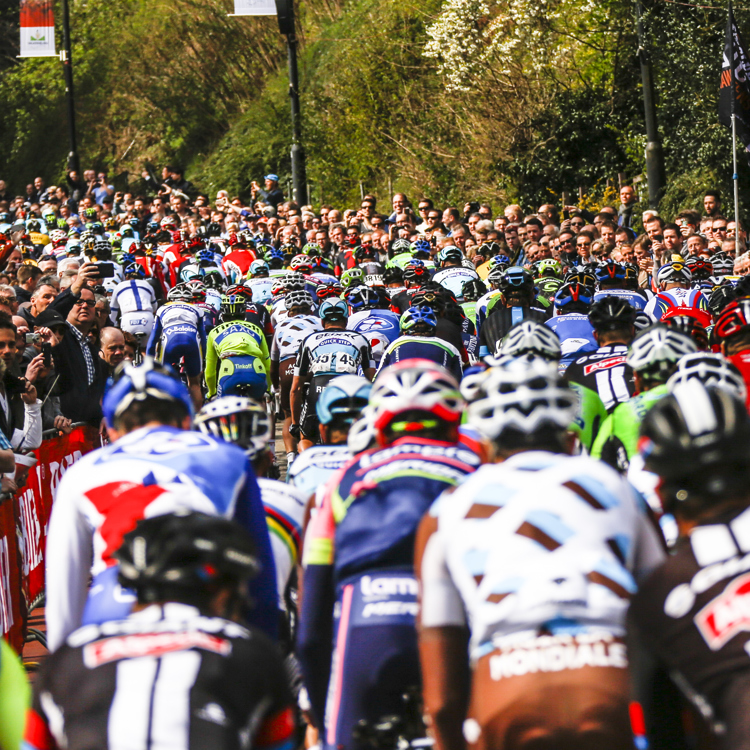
132,298
379,326
435,349
178,334
605,372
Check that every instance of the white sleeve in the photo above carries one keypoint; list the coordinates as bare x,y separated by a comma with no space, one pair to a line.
441,604
67,563
30,438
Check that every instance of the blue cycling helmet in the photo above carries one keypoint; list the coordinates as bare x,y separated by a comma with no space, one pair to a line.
147,380
417,316
343,398
363,298
274,258
610,270
574,296
204,255
333,309
133,269
499,261
421,246
127,259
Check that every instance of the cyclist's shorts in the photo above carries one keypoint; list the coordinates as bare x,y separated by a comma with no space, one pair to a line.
177,346
242,374
375,656
286,376
567,692
138,323
308,421
107,600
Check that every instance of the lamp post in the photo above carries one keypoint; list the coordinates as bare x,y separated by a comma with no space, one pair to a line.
67,61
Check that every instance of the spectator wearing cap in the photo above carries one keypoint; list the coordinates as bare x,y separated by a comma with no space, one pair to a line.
272,194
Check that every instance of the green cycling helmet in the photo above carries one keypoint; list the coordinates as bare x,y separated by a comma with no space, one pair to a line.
352,277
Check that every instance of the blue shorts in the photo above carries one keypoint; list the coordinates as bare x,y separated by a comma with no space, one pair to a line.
107,600
242,371
375,656
182,346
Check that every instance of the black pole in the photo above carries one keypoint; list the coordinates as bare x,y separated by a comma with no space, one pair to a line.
654,154
299,177
67,60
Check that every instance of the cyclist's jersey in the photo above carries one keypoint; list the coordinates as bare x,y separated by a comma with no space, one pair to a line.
541,544
285,511
135,295
236,264
210,314
675,298
454,279
470,310
590,415
14,698
176,319
636,301
165,677
260,289
289,335
500,321
691,612
617,441
380,327
606,372
401,302
235,338
149,471
315,466
424,347
333,353
481,307
576,336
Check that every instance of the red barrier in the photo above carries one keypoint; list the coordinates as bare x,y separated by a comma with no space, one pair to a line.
23,528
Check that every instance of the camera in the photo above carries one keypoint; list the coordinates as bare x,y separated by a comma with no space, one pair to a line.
32,338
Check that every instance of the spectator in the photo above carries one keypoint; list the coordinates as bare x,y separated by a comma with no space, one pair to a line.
27,277
271,193
111,351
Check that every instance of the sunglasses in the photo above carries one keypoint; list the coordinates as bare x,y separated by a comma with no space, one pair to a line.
87,302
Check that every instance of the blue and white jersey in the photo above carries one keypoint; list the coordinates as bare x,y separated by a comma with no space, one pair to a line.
380,327
260,289
150,471
333,353
176,319
454,279
289,334
541,540
671,299
213,298
636,301
481,308
134,295
576,336
315,466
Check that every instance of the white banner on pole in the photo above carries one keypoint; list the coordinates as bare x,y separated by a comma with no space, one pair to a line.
254,8
37,29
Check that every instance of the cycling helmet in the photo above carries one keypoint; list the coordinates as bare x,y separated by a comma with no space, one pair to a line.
333,310
711,369
343,399
204,255
126,231
473,289
572,296
57,237
427,297
126,259
363,298
323,291
352,277
675,271
722,265
548,267
362,435
185,555
530,337
700,268
179,293
137,383
400,246
311,248
411,389
321,265
133,269
642,321
655,352
581,275
101,250
734,319
275,258
233,306
519,401
548,286
278,288
301,264
197,288
697,439
33,225
421,247
631,276
416,319
259,268
238,420
609,272
212,278
295,281
416,272
450,254
498,261
168,222
611,314
393,275
720,298
298,298
516,278
495,277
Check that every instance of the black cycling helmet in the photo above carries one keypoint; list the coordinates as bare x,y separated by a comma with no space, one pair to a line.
720,298
473,289
697,439
393,275
611,314
581,275
185,556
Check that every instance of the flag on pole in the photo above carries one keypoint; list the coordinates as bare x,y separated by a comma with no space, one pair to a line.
734,90
254,8
37,29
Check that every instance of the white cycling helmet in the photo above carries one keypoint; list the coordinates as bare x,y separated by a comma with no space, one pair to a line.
298,298
710,369
523,395
675,271
655,352
362,433
414,385
530,337
238,420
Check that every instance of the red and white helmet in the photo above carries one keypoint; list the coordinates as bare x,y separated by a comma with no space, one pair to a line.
414,385
301,263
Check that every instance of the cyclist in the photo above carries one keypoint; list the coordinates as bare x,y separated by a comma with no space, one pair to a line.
418,341
321,357
237,359
415,275
246,423
180,672
180,337
135,301
654,355
340,404
612,282
471,292
372,513
380,326
154,465
287,338
393,278
674,282
532,561
571,321
688,616
259,282
530,338
732,331
453,274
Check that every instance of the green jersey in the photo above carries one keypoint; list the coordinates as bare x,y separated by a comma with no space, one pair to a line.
235,338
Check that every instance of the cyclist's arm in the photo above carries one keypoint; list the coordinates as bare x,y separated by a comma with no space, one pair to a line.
15,694
295,398
154,338
603,436
210,370
114,307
